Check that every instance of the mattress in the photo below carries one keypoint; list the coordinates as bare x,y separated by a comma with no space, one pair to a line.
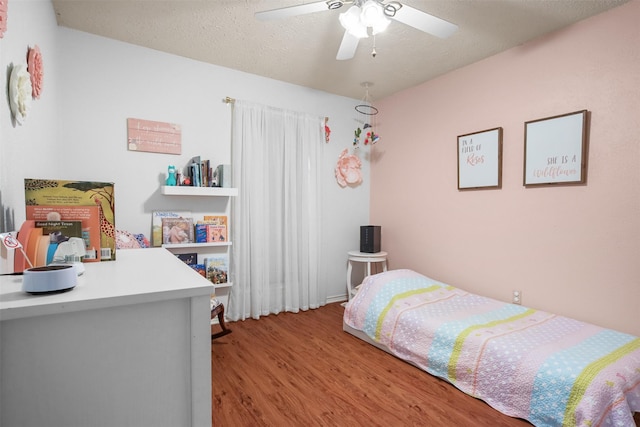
548,369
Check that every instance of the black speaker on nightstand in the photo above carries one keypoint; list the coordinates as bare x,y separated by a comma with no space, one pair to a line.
370,238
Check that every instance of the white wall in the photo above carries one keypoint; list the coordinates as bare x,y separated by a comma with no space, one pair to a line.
29,149
102,82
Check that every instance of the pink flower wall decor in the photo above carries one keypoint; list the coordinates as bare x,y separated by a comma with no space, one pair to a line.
348,169
3,17
35,68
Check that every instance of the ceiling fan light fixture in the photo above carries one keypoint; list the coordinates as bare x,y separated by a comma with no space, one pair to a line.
371,11
350,20
373,16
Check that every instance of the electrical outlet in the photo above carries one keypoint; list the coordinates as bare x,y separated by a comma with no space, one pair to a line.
517,297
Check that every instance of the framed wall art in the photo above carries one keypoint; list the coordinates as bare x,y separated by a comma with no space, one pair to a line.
154,137
555,149
480,160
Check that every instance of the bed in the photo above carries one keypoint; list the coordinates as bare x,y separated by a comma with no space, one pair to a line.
548,369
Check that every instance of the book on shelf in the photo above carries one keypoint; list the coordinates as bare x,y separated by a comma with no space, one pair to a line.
89,217
200,269
200,172
101,195
210,233
217,267
214,219
201,233
156,223
216,233
212,229
177,230
189,259
205,173
194,170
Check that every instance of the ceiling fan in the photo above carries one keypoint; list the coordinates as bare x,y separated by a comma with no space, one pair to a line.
365,14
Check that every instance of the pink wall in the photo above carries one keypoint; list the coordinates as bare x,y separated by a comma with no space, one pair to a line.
573,250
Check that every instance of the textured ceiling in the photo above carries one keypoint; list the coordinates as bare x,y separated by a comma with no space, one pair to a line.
302,49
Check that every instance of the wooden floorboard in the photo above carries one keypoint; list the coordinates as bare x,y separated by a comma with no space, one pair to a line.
303,370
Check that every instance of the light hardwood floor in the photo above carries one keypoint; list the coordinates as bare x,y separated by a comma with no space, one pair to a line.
303,370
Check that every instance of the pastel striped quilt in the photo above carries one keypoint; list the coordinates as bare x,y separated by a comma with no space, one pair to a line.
547,369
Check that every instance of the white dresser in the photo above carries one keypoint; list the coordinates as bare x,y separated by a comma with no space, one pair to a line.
130,345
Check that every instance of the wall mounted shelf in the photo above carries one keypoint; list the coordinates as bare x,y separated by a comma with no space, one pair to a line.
184,190
194,245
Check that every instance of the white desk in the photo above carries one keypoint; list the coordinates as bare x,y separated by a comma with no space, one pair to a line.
129,345
368,258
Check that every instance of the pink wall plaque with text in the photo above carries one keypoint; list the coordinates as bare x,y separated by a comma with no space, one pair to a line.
154,137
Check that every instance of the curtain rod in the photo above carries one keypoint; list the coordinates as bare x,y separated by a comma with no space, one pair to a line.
229,100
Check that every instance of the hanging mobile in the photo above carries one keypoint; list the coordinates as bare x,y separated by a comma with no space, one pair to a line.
369,112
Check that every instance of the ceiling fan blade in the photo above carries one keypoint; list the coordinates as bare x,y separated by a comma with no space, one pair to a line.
424,22
286,12
348,47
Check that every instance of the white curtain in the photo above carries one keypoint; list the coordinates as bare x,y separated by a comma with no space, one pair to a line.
276,166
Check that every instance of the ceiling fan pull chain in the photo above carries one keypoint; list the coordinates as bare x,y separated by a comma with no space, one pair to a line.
373,52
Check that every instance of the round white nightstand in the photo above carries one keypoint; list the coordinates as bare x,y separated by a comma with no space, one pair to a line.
357,256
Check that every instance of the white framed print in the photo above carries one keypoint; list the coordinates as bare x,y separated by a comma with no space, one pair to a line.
480,159
555,149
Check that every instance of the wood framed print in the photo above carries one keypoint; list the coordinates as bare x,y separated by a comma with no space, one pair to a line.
555,149
480,160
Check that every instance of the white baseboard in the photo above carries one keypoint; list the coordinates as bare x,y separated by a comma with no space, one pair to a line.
336,298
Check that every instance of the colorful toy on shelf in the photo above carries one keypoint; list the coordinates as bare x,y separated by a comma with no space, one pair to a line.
171,179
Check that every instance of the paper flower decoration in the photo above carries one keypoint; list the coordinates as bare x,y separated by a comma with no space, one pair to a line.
348,169
34,66
20,93
3,17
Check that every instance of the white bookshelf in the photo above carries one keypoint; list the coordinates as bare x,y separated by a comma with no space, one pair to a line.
203,249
